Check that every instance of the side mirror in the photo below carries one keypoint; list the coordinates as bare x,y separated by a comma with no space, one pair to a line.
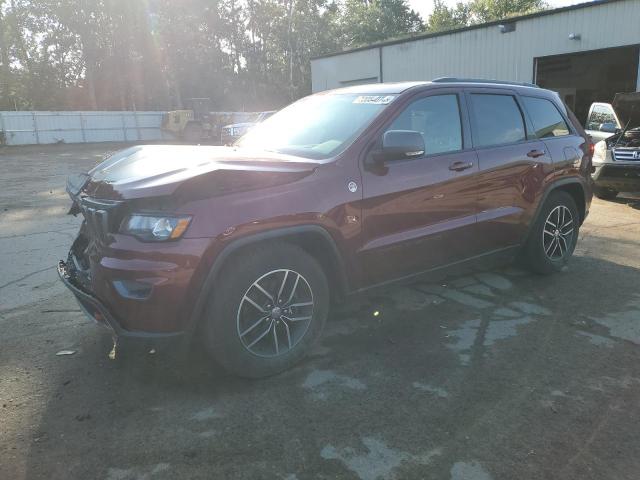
402,144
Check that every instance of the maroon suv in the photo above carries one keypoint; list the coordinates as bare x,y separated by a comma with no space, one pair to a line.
337,193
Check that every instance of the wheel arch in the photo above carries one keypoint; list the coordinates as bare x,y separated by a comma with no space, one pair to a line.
573,187
577,192
313,239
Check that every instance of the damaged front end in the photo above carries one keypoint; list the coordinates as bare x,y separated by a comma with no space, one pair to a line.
149,235
616,160
75,272
89,252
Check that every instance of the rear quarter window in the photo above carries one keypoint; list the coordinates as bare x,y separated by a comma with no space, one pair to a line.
547,120
497,120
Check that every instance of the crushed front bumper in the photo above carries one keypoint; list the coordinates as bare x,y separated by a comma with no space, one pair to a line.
98,312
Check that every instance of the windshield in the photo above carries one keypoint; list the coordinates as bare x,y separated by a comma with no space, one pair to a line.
317,127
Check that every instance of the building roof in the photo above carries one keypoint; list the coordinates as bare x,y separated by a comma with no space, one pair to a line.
422,36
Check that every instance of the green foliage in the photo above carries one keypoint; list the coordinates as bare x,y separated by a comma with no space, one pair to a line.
445,18
478,11
157,54
489,10
369,21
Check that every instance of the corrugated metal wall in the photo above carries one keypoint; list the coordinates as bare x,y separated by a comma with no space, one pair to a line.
27,128
485,52
359,66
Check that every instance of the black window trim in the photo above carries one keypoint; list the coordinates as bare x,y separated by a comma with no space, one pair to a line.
570,126
529,132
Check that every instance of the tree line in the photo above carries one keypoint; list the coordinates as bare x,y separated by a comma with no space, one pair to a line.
158,54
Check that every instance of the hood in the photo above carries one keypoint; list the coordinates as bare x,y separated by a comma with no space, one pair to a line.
158,170
627,107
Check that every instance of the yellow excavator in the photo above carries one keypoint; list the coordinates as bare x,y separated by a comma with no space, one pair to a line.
176,122
200,124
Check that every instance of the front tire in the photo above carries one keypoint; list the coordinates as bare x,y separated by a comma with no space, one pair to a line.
554,234
268,308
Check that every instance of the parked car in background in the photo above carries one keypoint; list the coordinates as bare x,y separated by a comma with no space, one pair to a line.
231,133
346,190
616,158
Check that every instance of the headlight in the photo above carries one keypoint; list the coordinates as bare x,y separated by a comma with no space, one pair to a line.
600,152
155,228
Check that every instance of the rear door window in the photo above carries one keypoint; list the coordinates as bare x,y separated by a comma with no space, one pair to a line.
437,119
497,120
546,118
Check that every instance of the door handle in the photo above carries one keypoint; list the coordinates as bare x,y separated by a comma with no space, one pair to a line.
535,153
460,166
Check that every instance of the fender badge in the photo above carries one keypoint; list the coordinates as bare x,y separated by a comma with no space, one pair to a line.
353,187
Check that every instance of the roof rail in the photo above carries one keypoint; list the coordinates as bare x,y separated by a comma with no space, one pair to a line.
481,80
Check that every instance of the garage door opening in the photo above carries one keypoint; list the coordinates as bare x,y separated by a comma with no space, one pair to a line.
587,77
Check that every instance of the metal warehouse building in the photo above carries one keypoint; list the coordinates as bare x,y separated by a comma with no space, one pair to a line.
586,52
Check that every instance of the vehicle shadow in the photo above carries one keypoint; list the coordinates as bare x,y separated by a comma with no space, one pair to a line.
465,365
630,199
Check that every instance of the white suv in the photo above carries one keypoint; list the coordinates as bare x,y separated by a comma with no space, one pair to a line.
615,129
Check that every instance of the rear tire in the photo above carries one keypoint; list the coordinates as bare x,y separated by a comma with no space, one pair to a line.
267,309
554,234
605,193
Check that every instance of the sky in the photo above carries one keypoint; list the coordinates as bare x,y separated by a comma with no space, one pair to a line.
424,7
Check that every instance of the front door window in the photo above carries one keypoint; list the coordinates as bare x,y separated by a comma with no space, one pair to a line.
437,119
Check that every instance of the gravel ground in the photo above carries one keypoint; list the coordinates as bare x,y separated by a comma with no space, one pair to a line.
501,375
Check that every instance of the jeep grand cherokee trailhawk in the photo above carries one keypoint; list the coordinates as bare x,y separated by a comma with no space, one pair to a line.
340,192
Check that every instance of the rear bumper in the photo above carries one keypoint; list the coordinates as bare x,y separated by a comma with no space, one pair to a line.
623,178
98,312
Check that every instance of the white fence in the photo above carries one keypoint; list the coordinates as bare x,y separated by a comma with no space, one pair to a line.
30,128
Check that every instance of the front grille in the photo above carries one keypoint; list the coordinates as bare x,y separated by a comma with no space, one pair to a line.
624,154
100,216
77,275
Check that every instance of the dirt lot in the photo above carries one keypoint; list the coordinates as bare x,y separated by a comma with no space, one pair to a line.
503,375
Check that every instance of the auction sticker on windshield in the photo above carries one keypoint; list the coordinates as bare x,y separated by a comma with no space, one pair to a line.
374,99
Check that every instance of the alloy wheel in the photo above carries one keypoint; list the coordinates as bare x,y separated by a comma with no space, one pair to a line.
275,313
557,235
